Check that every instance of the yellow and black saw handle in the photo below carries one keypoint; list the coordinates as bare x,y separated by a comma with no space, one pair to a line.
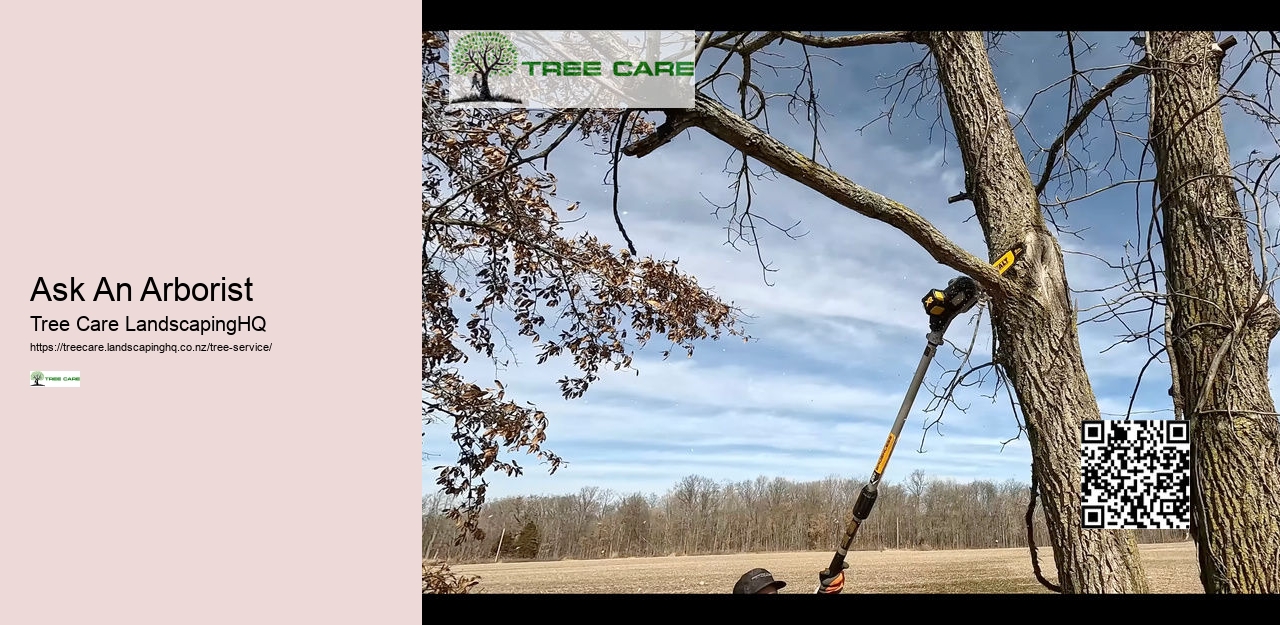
944,305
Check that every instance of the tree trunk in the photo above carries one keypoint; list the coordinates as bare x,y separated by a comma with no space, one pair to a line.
426,552
1035,328
1222,322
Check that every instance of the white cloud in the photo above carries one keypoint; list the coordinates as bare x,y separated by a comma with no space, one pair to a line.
795,424
626,469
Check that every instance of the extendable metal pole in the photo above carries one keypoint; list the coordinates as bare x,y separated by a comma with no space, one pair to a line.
943,306
867,498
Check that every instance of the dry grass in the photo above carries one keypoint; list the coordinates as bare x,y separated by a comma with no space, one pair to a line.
1171,567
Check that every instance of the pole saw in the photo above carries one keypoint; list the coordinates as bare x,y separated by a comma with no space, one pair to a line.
942,306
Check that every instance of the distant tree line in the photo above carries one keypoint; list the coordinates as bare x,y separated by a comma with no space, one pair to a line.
700,516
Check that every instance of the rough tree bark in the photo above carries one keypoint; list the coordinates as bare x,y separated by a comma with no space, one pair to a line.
1222,322
1035,326
1034,320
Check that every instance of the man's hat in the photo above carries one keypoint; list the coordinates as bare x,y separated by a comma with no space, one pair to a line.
754,581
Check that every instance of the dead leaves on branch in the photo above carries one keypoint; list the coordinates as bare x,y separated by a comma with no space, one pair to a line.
485,423
495,252
438,579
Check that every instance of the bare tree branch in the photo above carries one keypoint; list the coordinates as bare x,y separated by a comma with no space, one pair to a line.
676,123
1079,118
723,124
849,41
616,161
702,45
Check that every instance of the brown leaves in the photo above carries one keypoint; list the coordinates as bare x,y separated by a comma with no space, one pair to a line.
494,156
438,579
494,244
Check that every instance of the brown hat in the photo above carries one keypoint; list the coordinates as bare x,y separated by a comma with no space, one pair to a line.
754,581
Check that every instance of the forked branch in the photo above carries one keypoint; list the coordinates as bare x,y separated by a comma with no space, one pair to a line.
1086,109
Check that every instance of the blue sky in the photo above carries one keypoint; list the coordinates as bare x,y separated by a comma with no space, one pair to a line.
840,332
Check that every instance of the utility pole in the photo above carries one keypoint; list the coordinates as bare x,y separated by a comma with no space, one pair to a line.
500,537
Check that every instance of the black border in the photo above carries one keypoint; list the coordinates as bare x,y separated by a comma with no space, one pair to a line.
819,17
788,608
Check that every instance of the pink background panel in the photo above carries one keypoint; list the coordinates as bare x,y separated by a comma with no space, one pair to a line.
276,141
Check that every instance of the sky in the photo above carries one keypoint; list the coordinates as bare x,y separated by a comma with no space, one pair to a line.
838,335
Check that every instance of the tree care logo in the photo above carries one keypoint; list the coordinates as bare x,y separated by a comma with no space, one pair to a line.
484,56
54,379
571,69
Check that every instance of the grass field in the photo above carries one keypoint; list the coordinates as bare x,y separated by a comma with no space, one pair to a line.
1171,567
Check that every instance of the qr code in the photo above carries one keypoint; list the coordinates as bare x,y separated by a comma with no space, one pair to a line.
1135,475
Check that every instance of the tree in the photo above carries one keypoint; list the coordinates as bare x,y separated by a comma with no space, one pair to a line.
493,243
1222,318
503,546
482,55
634,514
1034,320
36,376
528,541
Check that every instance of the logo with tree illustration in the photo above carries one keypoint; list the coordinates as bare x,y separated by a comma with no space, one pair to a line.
485,55
36,376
